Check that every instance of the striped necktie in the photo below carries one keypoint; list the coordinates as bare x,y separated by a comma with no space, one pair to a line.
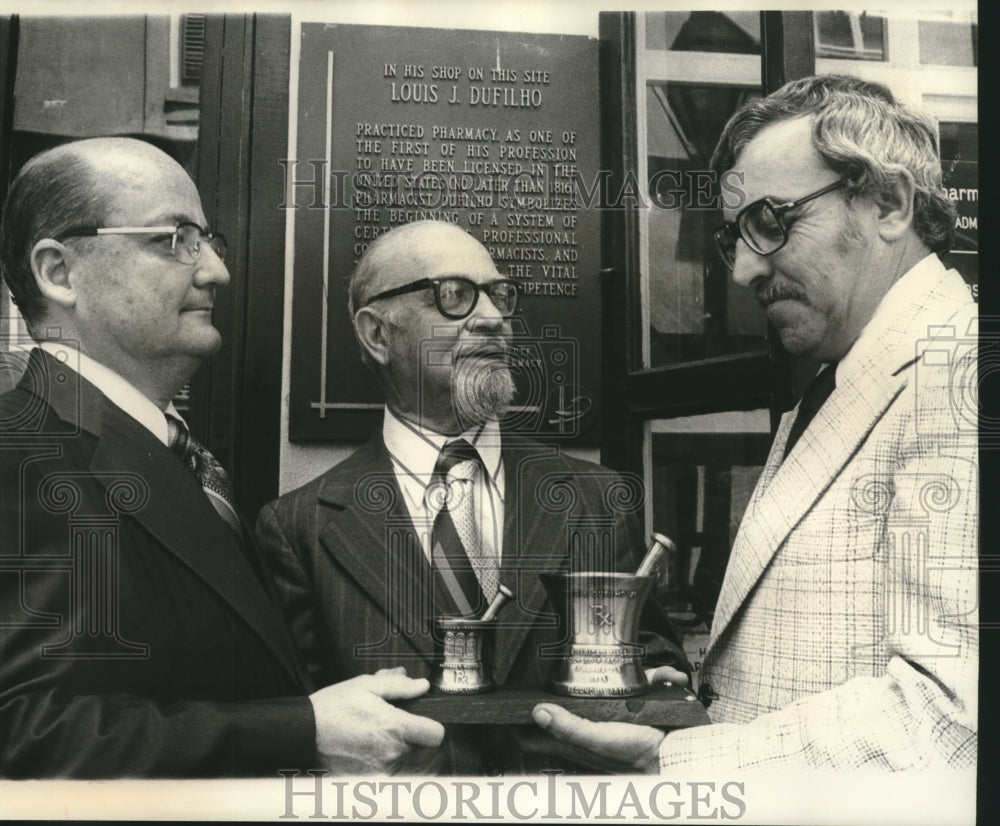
465,571
207,470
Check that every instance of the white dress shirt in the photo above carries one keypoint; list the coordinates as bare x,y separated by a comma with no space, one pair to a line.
414,451
118,391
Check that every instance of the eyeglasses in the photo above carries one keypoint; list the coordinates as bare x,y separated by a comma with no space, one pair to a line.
186,242
761,226
456,297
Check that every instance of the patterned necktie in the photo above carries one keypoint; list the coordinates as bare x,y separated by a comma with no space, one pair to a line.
816,394
207,471
463,568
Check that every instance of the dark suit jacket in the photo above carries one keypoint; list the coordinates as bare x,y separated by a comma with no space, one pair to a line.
135,638
356,584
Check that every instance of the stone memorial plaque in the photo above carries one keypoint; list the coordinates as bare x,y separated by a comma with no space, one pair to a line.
492,131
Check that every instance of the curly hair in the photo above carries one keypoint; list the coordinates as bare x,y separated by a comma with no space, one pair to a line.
862,132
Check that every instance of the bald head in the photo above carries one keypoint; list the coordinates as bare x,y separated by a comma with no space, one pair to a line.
442,369
409,252
74,185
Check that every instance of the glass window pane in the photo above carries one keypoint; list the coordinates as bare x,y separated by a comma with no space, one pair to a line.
695,310
950,40
850,35
960,168
704,471
704,31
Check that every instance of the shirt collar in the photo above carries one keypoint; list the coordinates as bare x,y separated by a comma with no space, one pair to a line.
118,391
415,449
919,279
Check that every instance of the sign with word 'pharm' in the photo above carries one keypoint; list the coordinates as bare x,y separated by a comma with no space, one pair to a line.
494,132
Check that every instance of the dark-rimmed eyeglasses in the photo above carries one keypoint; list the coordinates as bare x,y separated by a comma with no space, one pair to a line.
761,225
186,243
457,297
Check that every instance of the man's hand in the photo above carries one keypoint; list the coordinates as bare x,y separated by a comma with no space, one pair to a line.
358,732
618,747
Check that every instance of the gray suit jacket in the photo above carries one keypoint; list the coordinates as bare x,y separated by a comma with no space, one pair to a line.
356,585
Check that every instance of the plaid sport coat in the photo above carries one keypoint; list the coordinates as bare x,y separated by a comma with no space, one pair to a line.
845,633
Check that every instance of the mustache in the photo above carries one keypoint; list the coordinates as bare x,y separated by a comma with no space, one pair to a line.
771,292
484,346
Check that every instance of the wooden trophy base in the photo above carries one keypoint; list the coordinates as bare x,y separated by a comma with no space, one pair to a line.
663,706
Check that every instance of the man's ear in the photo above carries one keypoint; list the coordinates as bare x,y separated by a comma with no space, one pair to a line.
373,334
51,264
895,206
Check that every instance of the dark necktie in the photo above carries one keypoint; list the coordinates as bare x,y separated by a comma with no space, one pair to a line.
207,470
816,394
464,570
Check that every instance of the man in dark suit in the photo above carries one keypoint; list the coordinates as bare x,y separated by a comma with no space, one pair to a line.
355,551
138,631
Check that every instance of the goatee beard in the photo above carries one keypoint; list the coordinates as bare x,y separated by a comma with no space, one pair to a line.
482,389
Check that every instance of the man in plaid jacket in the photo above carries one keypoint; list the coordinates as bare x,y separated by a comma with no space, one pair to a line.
845,633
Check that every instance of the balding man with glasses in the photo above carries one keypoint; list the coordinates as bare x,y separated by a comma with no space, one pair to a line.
139,631
366,554
845,634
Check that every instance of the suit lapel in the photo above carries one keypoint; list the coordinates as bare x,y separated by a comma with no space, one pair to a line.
371,535
789,488
129,461
535,540
795,484
370,516
774,456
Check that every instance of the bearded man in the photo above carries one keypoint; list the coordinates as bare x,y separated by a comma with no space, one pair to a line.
360,553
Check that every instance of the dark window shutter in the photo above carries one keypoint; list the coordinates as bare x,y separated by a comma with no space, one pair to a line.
192,47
